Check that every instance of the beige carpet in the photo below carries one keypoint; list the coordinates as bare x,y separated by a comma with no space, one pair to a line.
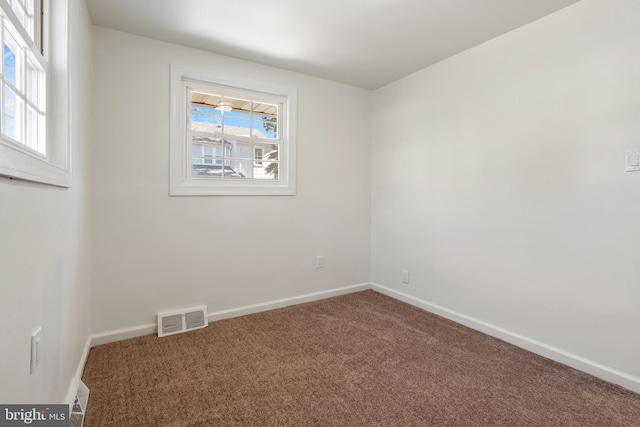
357,360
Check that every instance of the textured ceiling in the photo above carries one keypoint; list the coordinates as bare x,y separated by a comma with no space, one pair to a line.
365,43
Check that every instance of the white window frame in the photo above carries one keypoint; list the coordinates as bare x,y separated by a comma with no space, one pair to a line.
51,38
181,182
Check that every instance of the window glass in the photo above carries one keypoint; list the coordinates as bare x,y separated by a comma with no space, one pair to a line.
266,171
32,129
33,91
234,118
9,61
12,120
265,129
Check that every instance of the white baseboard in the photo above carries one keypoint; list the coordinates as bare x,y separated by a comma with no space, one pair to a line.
151,328
71,394
272,305
123,334
598,370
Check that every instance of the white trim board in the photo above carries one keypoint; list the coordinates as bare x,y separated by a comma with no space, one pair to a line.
123,334
577,362
272,305
151,328
73,388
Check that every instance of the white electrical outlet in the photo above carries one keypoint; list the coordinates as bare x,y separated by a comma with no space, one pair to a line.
405,276
633,162
36,349
319,261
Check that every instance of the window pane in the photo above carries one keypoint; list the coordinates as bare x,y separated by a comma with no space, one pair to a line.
201,121
239,150
235,126
258,155
261,109
265,170
235,169
270,152
205,140
204,109
205,154
265,129
12,61
12,115
9,64
32,84
31,139
237,107
236,116
206,160
9,112
42,140
207,170
205,100
201,145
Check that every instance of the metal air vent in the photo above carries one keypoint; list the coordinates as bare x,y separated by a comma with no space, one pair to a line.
175,322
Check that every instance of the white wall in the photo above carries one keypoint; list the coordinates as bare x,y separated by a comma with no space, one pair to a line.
154,252
499,182
44,256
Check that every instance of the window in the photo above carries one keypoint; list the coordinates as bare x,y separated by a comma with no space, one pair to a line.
230,137
258,154
25,150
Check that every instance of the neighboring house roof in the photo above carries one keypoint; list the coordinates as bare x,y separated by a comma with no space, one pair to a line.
233,130
237,105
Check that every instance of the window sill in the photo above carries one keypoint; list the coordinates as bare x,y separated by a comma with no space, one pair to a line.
20,164
241,189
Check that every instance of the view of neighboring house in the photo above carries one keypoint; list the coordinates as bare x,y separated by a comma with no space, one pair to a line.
239,134
245,159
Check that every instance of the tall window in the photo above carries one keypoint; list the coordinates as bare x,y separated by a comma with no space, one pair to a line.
231,139
23,75
27,29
